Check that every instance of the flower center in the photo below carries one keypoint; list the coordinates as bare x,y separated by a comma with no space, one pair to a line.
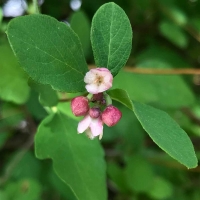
98,80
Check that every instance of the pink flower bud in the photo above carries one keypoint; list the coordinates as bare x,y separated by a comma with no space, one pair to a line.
79,106
94,112
98,80
111,115
97,97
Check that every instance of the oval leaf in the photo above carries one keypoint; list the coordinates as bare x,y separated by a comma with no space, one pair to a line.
111,37
167,134
139,174
78,161
49,51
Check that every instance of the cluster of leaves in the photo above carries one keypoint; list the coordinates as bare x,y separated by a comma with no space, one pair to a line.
52,56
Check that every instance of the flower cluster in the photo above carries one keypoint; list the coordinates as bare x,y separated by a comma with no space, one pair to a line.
97,107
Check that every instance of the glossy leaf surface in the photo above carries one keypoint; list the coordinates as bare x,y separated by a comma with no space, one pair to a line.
111,37
49,51
167,134
76,158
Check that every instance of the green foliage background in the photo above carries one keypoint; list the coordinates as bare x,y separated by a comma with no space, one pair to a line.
166,35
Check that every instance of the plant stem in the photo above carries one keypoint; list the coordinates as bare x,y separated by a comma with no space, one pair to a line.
154,71
187,71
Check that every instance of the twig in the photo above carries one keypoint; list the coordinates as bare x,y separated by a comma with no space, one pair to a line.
188,71
154,71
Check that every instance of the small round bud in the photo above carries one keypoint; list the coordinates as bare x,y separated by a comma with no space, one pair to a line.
94,112
111,115
97,97
79,106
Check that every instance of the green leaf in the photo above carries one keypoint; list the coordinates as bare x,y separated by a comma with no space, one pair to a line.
131,131
23,190
121,96
161,189
49,51
167,134
65,108
3,195
29,166
174,34
13,81
60,186
34,107
116,174
77,160
80,23
47,96
139,174
111,37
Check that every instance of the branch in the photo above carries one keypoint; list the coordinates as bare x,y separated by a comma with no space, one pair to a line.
154,71
187,71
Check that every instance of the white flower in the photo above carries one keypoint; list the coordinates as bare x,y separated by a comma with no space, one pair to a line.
98,80
92,127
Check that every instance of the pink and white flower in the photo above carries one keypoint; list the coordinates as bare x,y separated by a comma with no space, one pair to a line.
98,80
92,127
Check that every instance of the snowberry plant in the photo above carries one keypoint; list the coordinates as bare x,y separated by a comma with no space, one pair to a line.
50,52
98,81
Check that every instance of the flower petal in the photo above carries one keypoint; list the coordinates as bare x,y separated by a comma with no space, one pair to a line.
103,69
108,78
103,87
84,124
90,77
92,88
96,127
